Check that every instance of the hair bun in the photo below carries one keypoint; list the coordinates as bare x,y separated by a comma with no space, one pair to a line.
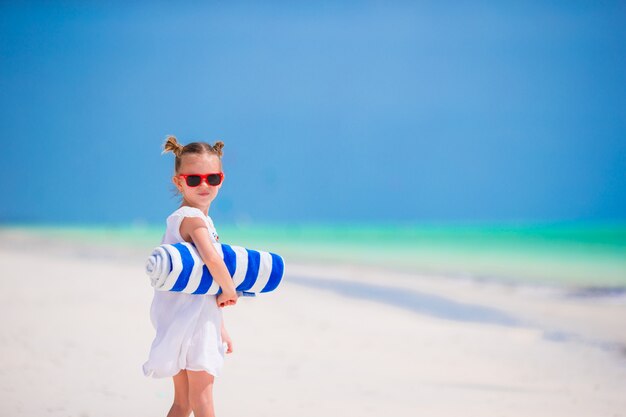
219,145
171,145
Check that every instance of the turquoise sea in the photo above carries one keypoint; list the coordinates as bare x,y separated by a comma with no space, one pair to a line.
570,254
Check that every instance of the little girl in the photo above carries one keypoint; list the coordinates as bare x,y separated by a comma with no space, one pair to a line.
190,331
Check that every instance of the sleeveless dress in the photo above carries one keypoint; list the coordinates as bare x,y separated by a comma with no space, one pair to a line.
188,326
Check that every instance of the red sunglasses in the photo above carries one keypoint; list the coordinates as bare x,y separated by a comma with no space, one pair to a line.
193,180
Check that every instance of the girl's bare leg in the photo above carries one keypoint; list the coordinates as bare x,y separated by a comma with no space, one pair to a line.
201,393
181,406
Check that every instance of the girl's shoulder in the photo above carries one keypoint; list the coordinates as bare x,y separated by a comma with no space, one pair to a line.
179,214
187,211
174,220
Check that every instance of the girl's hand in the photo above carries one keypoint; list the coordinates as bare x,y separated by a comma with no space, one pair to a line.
226,338
227,299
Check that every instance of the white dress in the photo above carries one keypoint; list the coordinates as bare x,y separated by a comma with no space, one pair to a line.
188,326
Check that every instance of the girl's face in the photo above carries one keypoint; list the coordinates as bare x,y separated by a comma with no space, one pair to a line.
203,194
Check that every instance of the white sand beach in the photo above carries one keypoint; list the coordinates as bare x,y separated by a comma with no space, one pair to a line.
331,340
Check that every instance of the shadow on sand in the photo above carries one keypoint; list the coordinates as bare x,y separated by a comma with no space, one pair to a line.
414,301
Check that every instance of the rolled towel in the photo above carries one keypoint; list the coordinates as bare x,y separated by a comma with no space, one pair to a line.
180,268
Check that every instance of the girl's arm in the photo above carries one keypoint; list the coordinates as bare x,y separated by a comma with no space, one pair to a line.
194,229
226,338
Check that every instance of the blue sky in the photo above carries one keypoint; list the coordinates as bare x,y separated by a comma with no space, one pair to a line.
358,112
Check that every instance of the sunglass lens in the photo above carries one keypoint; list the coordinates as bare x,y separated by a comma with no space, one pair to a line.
214,179
193,180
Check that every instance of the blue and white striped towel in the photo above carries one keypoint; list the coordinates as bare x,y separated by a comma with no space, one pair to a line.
180,268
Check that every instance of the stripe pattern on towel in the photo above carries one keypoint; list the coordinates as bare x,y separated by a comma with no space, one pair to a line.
180,268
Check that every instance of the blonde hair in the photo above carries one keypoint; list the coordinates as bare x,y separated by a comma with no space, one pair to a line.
171,145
